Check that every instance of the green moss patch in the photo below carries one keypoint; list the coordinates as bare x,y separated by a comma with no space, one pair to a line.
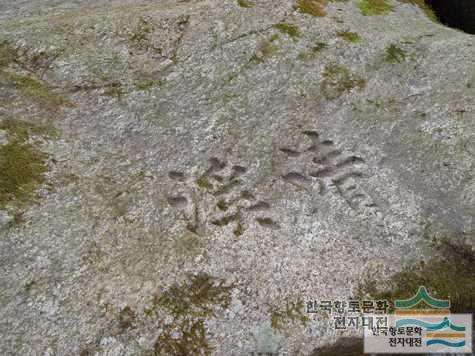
27,86
222,205
21,171
186,337
374,7
313,52
245,3
448,274
190,303
290,30
33,89
139,37
204,183
395,54
196,297
114,90
239,229
256,59
126,318
312,7
388,104
338,80
266,50
348,36
22,165
7,54
147,84
22,130
291,312
26,59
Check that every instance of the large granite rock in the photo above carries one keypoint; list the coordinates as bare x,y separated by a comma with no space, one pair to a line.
216,164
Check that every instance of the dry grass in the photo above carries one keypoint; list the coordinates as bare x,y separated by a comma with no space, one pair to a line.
424,6
312,7
374,7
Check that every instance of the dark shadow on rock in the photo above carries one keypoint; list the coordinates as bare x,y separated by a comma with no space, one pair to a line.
345,346
459,14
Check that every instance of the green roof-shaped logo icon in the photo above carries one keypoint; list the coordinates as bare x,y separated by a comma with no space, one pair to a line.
422,295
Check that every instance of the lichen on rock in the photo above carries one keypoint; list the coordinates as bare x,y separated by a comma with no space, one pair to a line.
184,177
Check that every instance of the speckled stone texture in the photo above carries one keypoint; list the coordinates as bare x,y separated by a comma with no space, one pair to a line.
200,138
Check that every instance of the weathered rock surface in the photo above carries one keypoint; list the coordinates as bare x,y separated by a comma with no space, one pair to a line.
202,138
